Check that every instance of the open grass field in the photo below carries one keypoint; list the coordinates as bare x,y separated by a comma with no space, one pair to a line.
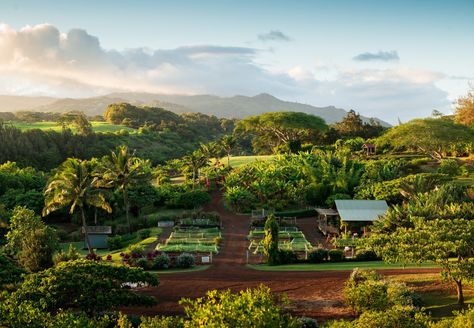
374,265
103,127
237,161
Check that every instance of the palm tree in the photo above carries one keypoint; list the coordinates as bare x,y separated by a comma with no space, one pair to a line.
194,162
228,143
74,186
123,170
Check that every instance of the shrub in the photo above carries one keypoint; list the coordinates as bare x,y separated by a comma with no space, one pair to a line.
143,234
449,167
115,242
190,199
406,317
336,255
367,291
461,319
161,322
71,255
318,255
136,251
306,322
287,257
161,261
249,308
142,263
37,252
366,255
185,260
240,199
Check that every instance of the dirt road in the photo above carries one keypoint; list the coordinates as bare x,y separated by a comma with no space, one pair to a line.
313,294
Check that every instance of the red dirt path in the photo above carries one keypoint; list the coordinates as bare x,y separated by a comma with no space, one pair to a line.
313,294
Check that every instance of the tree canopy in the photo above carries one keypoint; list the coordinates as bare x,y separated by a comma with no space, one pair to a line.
465,109
84,285
275,129
433,136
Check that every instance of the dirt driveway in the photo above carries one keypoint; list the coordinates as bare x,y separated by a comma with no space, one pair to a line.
316,294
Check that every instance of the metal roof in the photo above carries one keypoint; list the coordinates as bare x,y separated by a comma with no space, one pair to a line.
361,210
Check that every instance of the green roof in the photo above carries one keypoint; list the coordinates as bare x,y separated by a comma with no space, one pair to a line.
361,210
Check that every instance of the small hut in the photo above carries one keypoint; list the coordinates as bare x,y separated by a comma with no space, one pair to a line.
98,235
369,148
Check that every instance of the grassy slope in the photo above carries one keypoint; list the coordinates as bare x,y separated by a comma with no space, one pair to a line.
96,126
237,161
376,265
79,245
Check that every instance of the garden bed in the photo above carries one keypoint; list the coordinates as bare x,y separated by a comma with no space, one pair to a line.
290,239
192,240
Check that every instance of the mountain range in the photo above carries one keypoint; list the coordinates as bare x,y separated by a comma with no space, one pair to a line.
228,107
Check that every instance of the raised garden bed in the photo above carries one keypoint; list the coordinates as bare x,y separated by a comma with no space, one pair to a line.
192,240
290,239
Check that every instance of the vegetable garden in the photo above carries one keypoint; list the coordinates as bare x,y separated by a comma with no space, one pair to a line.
192,240
289,239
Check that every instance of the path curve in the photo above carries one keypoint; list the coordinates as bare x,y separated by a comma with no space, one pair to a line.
316,294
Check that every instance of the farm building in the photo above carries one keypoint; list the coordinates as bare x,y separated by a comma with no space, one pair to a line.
369,148
352,214
98,236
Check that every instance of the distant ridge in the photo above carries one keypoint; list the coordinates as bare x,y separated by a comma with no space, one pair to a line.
228,107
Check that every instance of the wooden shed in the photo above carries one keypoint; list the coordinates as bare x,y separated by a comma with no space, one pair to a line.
98,236
369,148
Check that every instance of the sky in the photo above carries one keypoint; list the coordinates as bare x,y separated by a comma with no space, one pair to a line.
387,59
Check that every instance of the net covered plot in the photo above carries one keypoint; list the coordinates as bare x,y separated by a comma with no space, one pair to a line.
192,240
289,238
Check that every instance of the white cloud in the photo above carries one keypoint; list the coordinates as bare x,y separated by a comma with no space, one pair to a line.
42,60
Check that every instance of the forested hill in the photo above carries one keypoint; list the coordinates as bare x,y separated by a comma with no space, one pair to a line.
226,107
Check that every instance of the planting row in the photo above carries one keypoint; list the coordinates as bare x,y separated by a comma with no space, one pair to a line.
192,240
289,239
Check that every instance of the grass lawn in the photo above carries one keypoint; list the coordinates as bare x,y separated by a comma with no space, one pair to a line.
442,304
178,270
438,298
236,161
96,126
375,265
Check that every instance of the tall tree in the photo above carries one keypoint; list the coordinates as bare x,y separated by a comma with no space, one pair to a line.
270,242
74,186
194,162
275,129
228,143
465,109
124,171
448,243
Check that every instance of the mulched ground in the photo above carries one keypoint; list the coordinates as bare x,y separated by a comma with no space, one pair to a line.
313,294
